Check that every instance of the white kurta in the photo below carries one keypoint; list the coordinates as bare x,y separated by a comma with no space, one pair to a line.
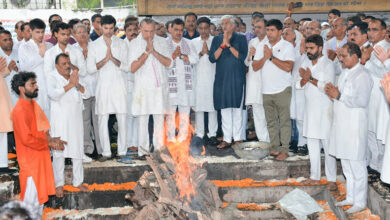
111,94
318,110
253,78
90,79
150,94
348,138
31,61
203,78
75,55
379,114
66,116
13,56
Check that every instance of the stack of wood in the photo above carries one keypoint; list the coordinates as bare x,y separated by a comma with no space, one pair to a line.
156,194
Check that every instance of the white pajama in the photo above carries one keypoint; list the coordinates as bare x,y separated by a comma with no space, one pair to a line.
376,151
89,115
184,117
301,140
105,139
212,124
355,172
314,146
244,124
143,133
260,122
3,150
231,124
132,131
77,170
31,199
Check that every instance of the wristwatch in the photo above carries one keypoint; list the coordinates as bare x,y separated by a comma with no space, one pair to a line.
311,78
272,56
181,56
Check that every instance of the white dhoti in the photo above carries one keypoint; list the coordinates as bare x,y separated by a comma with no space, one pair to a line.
260,122
77,170
212,124
105,138
184,117
314,146
355,172
31,199
3,150
143,133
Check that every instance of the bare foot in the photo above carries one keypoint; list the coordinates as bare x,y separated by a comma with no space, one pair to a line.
281,156
332,186
60,192
132,148
274,153
82,187
310,182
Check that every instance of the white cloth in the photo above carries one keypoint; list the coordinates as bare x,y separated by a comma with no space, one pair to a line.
31,61
67,115
297,106
244,124
314,146
376,152
212,124
89,80
3,150
387,64
31,199
385,172
204,77
301,139
275,80
355,172
318,111
77,171
260,122
143,133
12,57
184,120
231,124
110,89
334,44
105,138
348,138
75,55
150,94
253,78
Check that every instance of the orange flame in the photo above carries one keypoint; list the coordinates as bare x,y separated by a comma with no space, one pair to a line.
185,164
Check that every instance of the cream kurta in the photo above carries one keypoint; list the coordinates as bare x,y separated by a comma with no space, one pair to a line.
13,56
318,108
66,116
203,77
31,61
348,137
90,79
150,94
111,94
253,78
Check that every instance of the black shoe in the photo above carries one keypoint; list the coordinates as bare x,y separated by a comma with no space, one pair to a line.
68,161
103,158
213,141
302,150
5,170
293,149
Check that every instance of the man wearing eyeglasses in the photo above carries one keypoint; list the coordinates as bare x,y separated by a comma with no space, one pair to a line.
339,29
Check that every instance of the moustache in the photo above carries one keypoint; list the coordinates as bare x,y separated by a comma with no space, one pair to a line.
134,35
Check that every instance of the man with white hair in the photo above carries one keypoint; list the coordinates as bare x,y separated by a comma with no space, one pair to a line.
148,61
229,51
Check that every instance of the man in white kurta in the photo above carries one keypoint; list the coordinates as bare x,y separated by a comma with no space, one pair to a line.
148,61
379,114
204,83
66,97
315,72
254,95
180,82
107,56
31,56
348,137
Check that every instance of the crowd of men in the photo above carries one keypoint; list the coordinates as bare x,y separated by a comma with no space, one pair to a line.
325,83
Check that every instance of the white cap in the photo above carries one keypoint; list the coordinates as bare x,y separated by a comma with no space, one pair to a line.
324,24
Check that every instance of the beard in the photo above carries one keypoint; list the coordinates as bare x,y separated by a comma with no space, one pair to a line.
313,56
31,95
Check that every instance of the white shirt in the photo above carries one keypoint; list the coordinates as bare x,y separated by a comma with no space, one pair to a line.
90,79
12,57
275,80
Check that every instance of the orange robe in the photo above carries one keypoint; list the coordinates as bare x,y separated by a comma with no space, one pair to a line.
32,149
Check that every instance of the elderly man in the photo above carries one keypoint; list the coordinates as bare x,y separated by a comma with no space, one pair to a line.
348,137
190,26
107,56
229,51
19,34
149,58
339,29
66,96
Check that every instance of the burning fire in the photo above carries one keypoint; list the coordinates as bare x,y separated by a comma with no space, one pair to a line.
185,164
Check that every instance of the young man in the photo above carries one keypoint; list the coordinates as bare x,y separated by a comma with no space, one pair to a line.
254,97
26,30
31,56
315,72
32,144
190,26
180,78
149,58
97,29
348,137
107,56
66,98
205,74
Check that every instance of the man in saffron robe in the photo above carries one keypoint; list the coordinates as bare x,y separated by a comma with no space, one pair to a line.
32,144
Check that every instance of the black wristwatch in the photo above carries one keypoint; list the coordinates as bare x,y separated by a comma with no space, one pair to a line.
338,97
272,56
311,78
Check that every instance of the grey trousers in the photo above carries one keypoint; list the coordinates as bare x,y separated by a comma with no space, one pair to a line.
90,120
